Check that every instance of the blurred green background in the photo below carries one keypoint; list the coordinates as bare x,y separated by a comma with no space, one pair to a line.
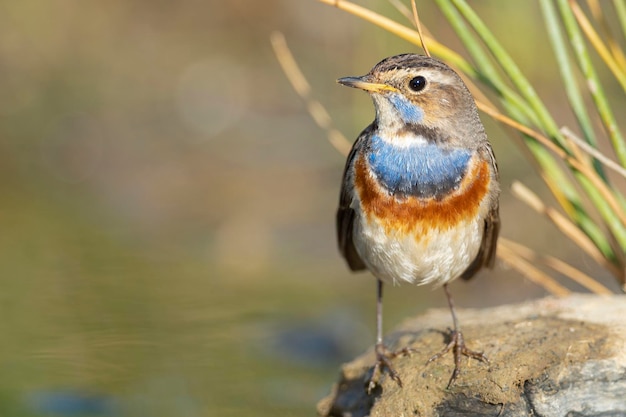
167,208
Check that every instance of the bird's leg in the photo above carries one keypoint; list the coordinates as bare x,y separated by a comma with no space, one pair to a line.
383,355
457,344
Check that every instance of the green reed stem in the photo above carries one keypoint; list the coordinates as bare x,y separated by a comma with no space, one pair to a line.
593,81
567,74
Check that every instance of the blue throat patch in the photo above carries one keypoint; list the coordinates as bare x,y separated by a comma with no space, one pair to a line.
421,170
409,112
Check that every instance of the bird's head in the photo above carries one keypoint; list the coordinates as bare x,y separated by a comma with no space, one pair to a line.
413,89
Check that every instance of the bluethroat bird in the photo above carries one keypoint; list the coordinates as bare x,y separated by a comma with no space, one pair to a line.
419,197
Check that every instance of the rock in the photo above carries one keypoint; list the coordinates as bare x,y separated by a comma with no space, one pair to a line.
549,357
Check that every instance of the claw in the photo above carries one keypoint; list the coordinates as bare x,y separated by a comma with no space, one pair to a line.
383,363
457,344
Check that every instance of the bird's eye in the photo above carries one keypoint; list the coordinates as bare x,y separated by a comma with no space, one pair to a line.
418,83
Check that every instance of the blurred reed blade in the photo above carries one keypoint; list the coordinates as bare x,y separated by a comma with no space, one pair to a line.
611,211
303,89
608,195
510,257
613,43
567,228
556,264
599,46
402,9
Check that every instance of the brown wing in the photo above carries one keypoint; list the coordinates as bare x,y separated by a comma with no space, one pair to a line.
345,214
487,253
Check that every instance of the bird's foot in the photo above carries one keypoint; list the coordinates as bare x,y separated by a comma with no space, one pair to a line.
457,344
383,364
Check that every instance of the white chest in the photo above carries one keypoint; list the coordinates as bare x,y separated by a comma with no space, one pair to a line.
420,257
